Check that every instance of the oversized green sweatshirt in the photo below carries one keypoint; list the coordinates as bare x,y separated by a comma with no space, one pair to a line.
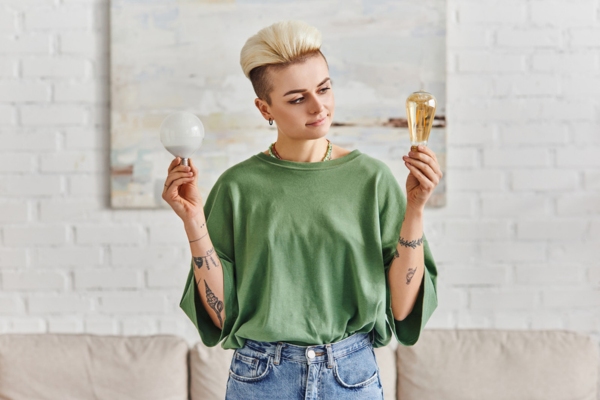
306,249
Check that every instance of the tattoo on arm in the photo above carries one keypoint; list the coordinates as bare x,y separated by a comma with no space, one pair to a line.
200,238
410,274
412,244
214,302
208,259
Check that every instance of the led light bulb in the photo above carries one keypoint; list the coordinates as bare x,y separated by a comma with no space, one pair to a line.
182,133
420,110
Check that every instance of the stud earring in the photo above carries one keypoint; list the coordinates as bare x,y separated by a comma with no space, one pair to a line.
270,121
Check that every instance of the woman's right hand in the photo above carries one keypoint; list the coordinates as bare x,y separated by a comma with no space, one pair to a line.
181,190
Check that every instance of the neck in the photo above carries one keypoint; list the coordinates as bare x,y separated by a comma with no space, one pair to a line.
301,150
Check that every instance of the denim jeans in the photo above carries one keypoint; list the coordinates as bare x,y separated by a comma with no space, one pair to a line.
346,369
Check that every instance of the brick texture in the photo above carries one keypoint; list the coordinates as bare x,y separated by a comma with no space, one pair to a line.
516,245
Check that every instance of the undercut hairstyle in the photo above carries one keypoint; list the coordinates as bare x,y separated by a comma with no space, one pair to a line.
275,47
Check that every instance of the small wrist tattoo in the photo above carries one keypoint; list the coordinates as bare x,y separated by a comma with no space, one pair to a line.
195,240
412,244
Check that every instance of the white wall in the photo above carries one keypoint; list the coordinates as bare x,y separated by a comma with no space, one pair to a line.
520,240
517,245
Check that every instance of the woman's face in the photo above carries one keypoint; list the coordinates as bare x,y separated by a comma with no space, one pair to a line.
302,94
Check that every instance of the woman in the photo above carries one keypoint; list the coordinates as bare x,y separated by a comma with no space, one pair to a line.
305,256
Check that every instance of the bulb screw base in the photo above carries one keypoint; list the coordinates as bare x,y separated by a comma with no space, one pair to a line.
184,161
413,147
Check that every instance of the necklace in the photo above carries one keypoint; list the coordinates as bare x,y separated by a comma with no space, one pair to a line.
273,151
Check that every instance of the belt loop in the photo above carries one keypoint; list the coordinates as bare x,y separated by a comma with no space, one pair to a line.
278,353
329,356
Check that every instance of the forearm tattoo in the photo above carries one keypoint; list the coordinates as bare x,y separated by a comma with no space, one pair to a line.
207,260
214,302
412,244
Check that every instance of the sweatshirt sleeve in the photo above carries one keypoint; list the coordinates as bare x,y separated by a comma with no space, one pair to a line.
218,211
392,206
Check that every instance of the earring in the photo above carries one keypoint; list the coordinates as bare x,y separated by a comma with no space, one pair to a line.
270,121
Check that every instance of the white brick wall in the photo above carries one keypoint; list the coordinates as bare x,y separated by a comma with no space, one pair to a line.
517,244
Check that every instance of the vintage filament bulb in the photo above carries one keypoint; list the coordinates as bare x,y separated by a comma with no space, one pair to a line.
420,110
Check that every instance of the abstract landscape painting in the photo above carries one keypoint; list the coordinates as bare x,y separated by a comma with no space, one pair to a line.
170,55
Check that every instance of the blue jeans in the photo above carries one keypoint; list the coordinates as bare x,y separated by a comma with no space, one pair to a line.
278,370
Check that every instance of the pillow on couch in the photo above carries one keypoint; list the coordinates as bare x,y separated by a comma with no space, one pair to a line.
475,364
50,366
209,371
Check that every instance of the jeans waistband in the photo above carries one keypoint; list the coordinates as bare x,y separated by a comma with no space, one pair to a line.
314,353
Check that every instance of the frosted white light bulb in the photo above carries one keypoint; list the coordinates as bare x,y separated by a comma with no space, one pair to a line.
182,133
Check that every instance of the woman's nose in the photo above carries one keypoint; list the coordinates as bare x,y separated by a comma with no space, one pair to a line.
317,105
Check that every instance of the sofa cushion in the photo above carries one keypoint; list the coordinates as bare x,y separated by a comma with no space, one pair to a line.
209,371
498,364
94,367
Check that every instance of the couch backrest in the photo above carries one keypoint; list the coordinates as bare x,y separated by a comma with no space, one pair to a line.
475,364
93,367
444,364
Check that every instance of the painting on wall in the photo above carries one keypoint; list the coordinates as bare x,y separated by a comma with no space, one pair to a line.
183,55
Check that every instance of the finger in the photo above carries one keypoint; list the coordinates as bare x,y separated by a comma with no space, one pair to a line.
427,151
171,191
177,175
435,167
173,164
432,162
193,166
419,155
181,168
425,169
174,185
425,183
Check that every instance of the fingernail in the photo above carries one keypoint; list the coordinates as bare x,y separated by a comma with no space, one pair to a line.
420,147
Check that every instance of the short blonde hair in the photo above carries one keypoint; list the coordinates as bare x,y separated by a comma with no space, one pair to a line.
277,46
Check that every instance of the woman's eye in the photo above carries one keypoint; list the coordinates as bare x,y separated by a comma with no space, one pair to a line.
323,90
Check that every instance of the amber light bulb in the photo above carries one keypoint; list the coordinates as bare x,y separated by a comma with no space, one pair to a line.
420,110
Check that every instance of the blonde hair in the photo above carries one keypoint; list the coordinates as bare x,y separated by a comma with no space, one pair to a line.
277,46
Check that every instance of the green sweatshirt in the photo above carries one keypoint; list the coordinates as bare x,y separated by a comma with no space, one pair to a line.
306,249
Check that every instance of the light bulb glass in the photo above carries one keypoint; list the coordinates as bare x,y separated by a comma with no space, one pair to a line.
420,110
182,133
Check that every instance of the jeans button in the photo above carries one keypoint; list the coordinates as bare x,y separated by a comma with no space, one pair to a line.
311,354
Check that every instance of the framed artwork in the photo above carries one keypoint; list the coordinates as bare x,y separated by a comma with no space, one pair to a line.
176,55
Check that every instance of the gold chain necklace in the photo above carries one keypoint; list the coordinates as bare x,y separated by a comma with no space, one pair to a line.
273,151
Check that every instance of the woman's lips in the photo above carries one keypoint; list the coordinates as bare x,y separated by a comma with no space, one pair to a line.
319,122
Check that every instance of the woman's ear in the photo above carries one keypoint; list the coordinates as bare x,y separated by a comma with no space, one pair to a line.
263,107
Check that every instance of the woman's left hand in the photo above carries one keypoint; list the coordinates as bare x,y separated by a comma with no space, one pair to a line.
425,174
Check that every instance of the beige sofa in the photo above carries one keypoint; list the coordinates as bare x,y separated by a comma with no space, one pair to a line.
442,365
